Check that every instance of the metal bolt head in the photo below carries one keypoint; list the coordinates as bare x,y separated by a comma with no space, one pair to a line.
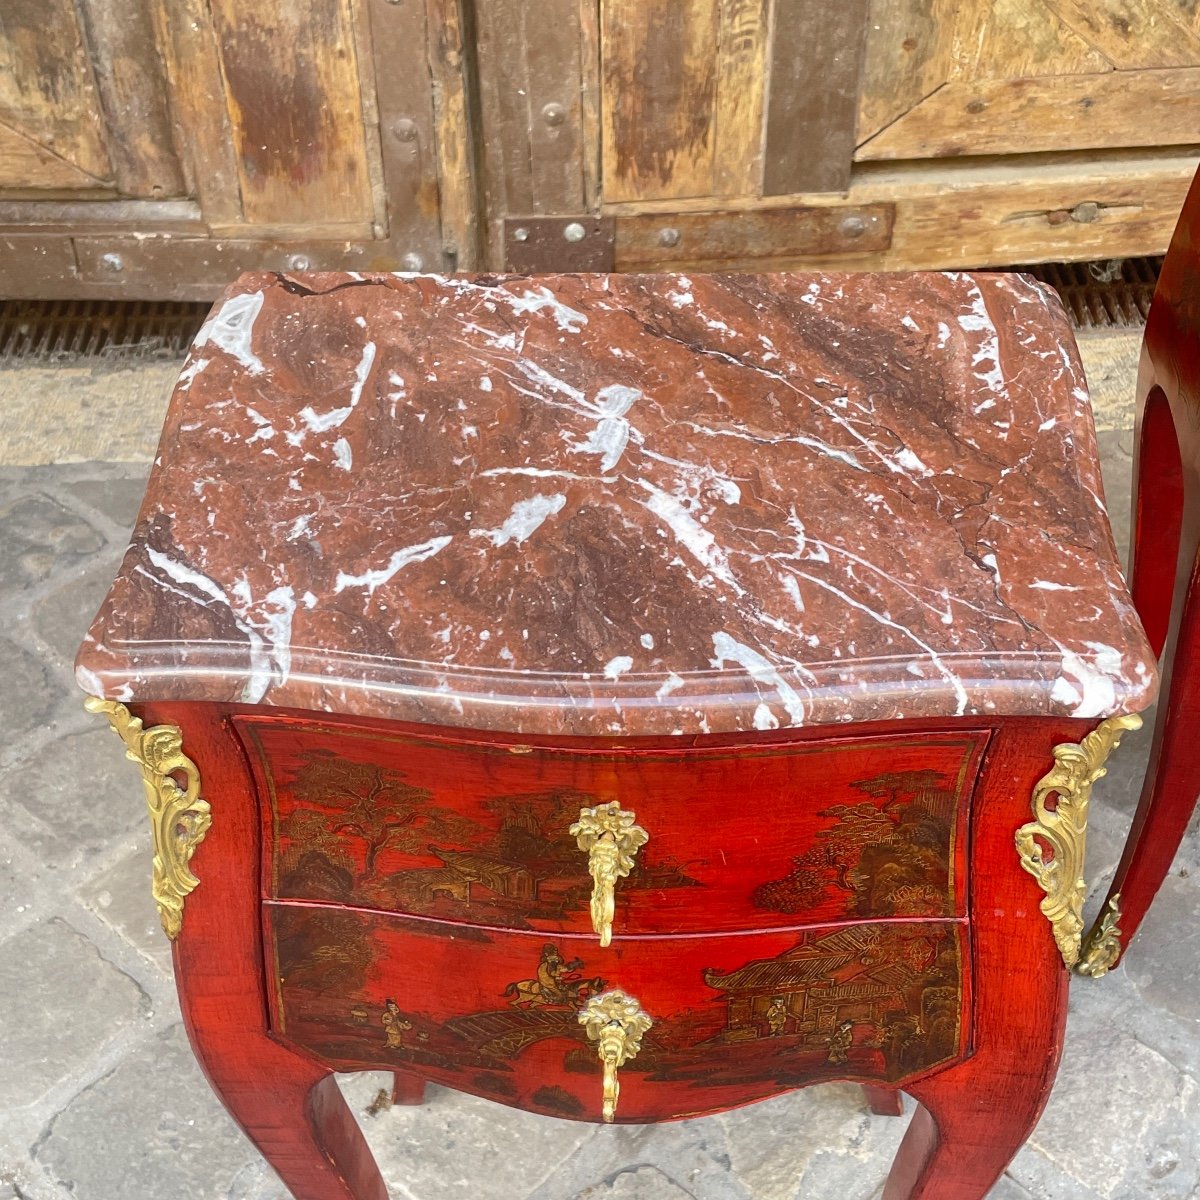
412,262
521,234
112,262
853,226
554,114
405,130
299,262
574,232
668,237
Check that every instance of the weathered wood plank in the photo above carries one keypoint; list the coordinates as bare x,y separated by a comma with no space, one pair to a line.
293,98
1063,112
32,267
741,96
47,90
1134,34
457,161
1016,39
189,43
531,85
812,101
552,39
951,214
368,96
659,64
504,109
28,166
95,216
1024,212
405,96
915,46
186,268
909,53
298,231
590,117
134,98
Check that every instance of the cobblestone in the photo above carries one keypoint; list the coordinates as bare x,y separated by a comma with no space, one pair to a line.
117,498
150,1129
459,1145
38,534
1116,463
1170,937
843,1153
120,897
636,1183
64,821
61,618
1143,1146
692,1153
71,1004
17,879
30,694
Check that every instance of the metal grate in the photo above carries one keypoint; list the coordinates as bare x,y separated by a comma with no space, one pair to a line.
49,331
1108,294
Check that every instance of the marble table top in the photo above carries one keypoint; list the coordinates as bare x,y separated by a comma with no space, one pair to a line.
656,504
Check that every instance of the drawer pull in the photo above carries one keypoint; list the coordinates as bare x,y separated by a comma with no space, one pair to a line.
608,836
616,1022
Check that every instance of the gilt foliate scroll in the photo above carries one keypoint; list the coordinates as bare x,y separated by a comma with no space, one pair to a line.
179,817
1052,847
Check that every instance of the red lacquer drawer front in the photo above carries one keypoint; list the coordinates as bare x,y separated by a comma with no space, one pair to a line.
735,1018
737,839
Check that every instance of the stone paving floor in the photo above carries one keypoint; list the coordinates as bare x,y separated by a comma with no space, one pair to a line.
100,1098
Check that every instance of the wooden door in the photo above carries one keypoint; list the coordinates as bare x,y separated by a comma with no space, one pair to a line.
1028,76
881,133
159,147
83,101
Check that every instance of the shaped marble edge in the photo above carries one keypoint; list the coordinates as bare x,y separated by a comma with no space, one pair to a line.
616,479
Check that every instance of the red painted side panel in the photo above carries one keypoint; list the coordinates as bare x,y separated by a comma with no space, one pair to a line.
736,1018
747,838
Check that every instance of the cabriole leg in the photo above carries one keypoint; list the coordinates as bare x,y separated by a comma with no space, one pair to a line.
294,1113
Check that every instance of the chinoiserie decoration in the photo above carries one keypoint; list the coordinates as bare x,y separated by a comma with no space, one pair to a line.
1063,830
616,1022
179,818
608,836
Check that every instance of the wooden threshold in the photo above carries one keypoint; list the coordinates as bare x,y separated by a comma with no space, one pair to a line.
1041,208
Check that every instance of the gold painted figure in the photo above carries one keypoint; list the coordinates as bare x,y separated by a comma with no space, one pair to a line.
395,1025
840,1042
777,1016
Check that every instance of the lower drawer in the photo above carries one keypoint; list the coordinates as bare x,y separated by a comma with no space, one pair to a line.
736,1017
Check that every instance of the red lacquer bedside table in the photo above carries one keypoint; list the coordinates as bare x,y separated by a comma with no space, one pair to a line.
622,697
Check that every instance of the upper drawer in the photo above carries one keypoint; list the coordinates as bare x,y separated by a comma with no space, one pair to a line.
744,838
